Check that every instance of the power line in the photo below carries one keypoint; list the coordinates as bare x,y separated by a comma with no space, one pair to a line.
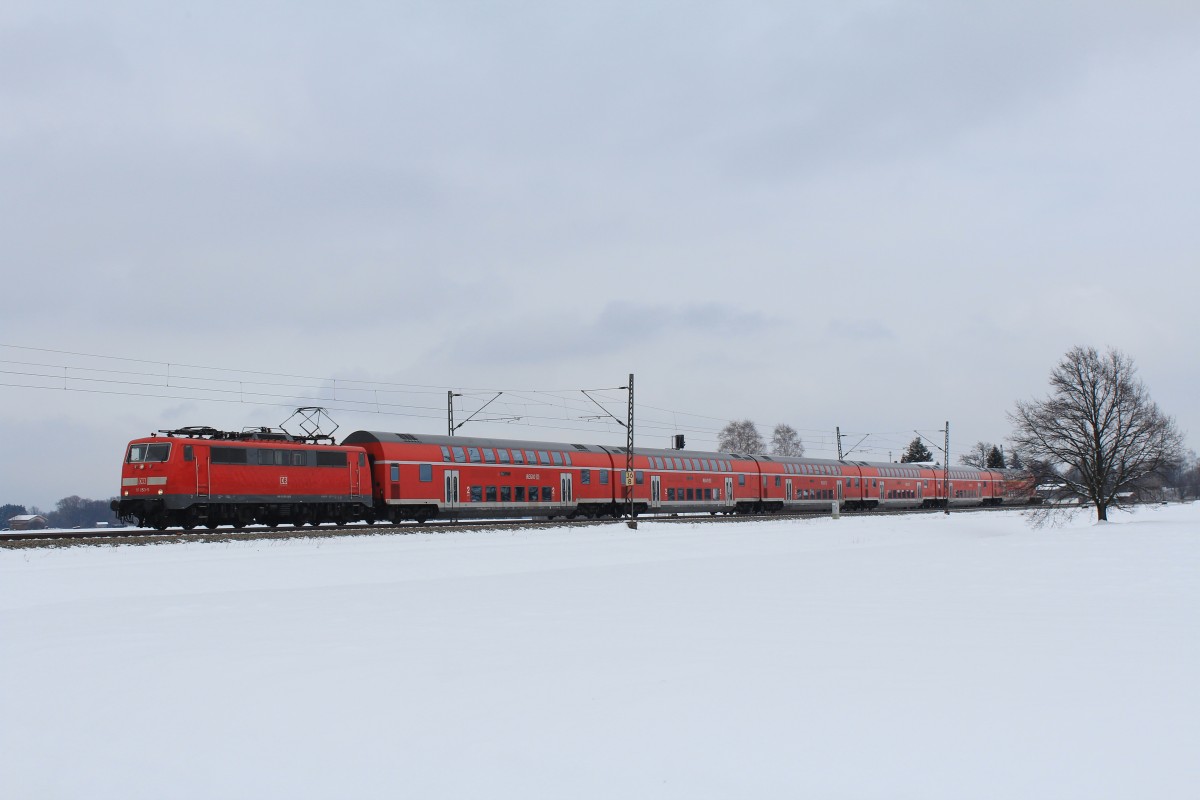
557,409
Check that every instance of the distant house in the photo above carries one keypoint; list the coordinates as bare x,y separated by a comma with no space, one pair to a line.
27,522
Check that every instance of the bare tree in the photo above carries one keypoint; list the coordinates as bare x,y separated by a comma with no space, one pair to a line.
1101,425
977,456
740,436
786,442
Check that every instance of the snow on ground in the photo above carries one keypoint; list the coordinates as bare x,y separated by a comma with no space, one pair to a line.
967,656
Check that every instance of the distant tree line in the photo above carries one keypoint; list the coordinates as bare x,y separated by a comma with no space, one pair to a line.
70,512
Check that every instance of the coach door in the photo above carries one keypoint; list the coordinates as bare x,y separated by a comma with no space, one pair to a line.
655,491
450,502
729,501
564,483
881,491
788,488
920,490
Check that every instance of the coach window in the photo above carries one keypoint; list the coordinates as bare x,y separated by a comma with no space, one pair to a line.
742,479
543,457
473,454
690,494
445,454
557,458
395,472
519,494
547,494
505,494
426,472
489,455
530,457
585,476
491,494
476,494
460,456
776,481
503,454
603,477
670,493
518,457
567,459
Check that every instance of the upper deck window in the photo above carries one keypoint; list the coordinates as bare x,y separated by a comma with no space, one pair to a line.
140,453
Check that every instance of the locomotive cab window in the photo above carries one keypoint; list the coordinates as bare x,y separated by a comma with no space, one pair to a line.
148,453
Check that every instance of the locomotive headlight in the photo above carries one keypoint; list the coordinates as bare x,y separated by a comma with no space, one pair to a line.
127,494
160,491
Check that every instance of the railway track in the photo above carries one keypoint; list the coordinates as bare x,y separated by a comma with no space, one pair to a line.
142,536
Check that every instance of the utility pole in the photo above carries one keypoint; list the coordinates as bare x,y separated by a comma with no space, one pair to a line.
947,452
629,459
450,395
839,438
946,456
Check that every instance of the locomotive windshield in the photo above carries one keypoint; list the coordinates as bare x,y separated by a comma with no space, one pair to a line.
139,453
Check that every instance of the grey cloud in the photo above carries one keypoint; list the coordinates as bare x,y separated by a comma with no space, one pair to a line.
618,326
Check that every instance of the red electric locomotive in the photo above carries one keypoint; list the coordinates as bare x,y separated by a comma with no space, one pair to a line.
202,476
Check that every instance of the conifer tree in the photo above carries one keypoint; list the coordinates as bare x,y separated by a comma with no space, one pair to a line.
995,459
917,451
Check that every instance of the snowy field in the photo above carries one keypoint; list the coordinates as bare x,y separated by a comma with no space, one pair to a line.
915,657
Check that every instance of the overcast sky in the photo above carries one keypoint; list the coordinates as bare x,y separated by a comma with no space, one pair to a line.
872,215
